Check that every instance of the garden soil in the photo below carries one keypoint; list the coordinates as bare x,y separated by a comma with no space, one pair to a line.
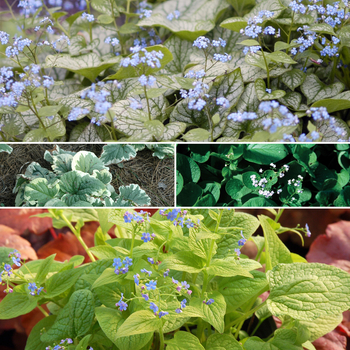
155,176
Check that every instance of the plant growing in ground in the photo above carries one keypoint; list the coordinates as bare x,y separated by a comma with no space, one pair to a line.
174,279
258,175
198,70
82,179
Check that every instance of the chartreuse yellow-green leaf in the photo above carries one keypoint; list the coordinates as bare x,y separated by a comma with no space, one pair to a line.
308,291
275,251
184,340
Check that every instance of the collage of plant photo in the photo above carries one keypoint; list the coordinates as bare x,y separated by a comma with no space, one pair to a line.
174,175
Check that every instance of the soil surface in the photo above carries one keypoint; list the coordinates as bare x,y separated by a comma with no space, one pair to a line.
155,176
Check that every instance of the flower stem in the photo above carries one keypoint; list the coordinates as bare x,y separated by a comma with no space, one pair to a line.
43,311
161,338
77,234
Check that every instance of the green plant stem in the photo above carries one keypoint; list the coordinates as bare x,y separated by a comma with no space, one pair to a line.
90,24
132,243
10,8
127,11
290,29
161,338
148,106
77,234
256,328
266,65
279,214
43,311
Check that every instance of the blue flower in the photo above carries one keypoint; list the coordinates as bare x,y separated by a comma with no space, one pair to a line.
238,251
163,313
146,271
222,101
90,18
178,311
185,284
127,262
76,112
32,287
308,232
4,37
172,215
183,303
150,260
8,268
166,273
201,42
122,305
209,302
136,279
147,81
128,217
117,263
146,237
153,307
242,241
151,285
145,296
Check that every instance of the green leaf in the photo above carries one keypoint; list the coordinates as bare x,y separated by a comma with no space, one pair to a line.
48,111
60,282
275,251
281,57
129,72
179,182
184,340
308,291
234,23
265,154
17,303
260,88
188,168
87,162
33,341
336,103
189,195
226,268
39,192
105,7
89,65
315,90
293,78
6,148
238,290
44,269
139,322
134,194
213,313
83,343
155,127
80,184
222,342
322,28
183,261
82,307
197,17
110,320
198,134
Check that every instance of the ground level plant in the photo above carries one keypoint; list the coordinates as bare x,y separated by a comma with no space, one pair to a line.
176,279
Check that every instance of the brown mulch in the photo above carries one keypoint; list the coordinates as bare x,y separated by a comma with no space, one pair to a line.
155,176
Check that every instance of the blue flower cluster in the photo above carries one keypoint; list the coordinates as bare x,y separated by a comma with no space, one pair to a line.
29,7
118,265
269,123
113,41
62,345
147,80
152,38
177,216
143,9
88,17
76,112
138,218
172,15
253,29
18,46
151,59
34,289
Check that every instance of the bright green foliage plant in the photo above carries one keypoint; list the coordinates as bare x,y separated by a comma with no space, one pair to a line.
176,279
199,70
259,175
82,179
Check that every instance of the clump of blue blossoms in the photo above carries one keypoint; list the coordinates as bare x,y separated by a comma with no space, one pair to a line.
64,343
176,14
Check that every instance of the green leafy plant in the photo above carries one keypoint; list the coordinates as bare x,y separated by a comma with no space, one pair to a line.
199,70
82,179
257,175
6,148
175,280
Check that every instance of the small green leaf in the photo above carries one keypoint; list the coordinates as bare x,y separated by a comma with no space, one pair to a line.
184,340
